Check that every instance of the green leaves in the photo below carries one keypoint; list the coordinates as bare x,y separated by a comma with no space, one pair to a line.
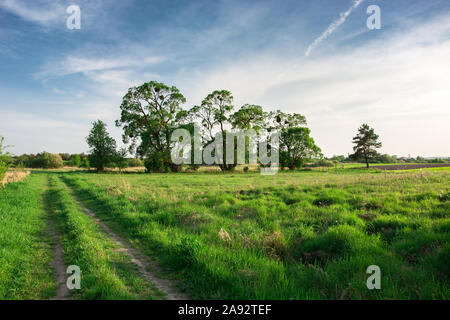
296,146
366,141
150,112
103,147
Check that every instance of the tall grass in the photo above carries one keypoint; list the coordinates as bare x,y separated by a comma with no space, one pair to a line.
25,251
303,235
106,272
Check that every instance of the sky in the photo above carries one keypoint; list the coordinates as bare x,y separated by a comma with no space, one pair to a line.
317,58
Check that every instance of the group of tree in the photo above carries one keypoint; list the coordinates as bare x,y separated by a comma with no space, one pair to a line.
151,112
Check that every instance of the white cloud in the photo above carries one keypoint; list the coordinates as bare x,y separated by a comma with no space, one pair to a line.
42,12
80,64
332,27
398,84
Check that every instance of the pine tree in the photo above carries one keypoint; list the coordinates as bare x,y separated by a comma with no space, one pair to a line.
366,141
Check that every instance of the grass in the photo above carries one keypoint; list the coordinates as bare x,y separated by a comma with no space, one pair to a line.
294,235
25,249
107,273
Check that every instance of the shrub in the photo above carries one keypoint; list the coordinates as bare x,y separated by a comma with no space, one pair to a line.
4,161
135,163
55,161
76,161
323,163
85,163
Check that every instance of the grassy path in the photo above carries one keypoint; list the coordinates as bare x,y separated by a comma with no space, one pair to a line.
25,243
143,263
107,271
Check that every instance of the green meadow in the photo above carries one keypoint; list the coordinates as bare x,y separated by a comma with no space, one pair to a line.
293,235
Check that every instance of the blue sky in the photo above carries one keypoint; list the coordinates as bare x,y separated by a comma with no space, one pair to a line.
54,82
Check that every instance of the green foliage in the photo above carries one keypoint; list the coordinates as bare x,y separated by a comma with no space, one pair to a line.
55,161
85,163
150,113
156,163
385,158
215,114
25,248
107,273
5,159
338,158
103,147
366,143
296,235
120,159
296,146
135,162
76,161
49,161
323,163
249,117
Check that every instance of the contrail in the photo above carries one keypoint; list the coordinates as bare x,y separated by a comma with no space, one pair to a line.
333,26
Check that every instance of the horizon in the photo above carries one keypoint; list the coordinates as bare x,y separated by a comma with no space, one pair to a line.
317,59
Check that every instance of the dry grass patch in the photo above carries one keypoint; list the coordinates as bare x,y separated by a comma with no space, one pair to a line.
15,176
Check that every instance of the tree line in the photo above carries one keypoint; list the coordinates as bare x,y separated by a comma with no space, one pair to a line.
150,113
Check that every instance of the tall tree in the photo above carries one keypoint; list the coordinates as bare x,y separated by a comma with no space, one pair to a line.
150,113
366,143
215,112
103,147
249,116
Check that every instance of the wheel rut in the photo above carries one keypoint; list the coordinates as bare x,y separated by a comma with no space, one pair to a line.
165,286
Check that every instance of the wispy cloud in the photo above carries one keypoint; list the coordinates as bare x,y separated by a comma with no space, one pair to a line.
43,13
332,27
82,64
398,84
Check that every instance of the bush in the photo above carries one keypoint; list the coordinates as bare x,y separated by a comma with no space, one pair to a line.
4,161
85,163
76,161
323,163
135,163
55,161
158,163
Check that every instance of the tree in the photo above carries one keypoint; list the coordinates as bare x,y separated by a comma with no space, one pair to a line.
135,162
296,146
5,158
76,161
366,141
85,163
120,159
215,112
55,161
103,147
150,113
249,116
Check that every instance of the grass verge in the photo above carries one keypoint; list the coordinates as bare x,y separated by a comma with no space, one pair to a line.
25,245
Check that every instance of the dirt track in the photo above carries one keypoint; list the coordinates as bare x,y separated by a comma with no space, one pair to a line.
410,166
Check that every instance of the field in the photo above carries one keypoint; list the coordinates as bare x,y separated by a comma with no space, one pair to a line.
293,235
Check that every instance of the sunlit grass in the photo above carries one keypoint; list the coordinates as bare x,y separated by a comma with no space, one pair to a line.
293,235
